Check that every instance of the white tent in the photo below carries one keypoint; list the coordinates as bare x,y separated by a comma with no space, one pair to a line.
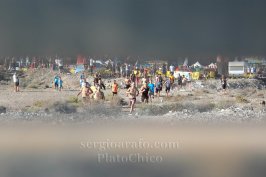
197,65
212,65
109,62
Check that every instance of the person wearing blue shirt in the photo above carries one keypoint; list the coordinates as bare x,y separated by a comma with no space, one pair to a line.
56,79
151,92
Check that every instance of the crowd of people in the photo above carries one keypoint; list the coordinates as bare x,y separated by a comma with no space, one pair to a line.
147,87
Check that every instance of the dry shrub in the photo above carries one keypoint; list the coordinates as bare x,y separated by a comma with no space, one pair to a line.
73,99
205,107
64,107
224,104
150,109
176,98
261,95
33,86
39,104
241,99
117,101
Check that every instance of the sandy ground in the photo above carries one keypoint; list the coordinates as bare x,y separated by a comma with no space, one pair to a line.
15,101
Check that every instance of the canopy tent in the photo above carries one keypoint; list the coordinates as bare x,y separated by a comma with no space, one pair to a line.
109,62
197,65
99,64
212,65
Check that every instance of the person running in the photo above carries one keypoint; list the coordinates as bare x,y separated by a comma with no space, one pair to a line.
158,88
224,83
145,93
167,86
82,77
127,83
151,92
85,91
172,81
184,81
101,83
60,83
144,80
96,80
133,93
160,78
115,88
99,95
16,82
56,79
133,78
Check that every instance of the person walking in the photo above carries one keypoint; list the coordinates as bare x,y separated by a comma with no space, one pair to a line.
16,82
56,79
224,83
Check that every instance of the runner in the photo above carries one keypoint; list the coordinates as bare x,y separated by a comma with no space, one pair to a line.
133,93
172,81
85,91
158,88
145,93
184,81
151,92
144,80
160,78
167,86
82,77
96,80
101,83
127,83
99,95
16,82
115,88
133,78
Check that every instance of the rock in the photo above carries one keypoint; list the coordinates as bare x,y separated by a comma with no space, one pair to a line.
2,109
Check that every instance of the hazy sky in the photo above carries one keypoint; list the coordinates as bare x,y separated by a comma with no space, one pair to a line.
136,27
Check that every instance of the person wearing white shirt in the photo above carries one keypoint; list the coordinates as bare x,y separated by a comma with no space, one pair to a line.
171,68
16,82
